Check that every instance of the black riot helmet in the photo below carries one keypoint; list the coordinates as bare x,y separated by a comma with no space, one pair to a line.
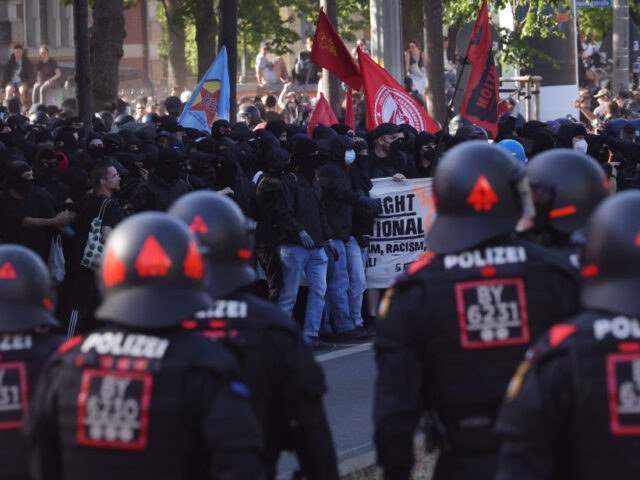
250,115
221,228
152,273
123,119
106,117
25,289
566,185
611,256
480,195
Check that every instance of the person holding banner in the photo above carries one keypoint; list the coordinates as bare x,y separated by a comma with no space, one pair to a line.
452,330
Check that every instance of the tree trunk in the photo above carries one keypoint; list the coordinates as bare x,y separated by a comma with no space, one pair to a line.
175,35
206,29
435,98
106,50
331,83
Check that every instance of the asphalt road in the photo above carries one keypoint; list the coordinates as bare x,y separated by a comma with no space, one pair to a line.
350,375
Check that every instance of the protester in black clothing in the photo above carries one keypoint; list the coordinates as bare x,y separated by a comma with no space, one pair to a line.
27,216
271,207
80,294
45,165
424,149
386,159
163,187
47,75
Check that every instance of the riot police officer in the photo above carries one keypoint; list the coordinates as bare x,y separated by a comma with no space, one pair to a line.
286,383
451,331
566,186
25,346
572,408
139,397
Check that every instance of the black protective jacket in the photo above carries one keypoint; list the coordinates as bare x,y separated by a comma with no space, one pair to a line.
133,404
285,382
449,338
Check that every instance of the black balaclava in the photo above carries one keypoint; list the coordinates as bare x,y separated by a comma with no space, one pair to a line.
15,179
169,167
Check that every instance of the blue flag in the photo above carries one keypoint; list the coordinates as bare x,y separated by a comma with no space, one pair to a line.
210,100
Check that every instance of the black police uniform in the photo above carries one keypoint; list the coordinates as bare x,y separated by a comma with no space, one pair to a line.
141,398
22,358
454,332
572,409
108,400
25,346
285,382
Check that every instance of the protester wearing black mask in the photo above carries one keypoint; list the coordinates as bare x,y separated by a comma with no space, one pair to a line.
27,214
163,186
45,165
424,153
387,158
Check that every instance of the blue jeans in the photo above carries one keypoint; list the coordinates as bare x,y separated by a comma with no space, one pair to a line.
295,260
337,291
357,280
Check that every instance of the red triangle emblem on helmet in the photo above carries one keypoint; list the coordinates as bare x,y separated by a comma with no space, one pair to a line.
638,240
152,260
193,266
113,270
198,225
482,197
7,271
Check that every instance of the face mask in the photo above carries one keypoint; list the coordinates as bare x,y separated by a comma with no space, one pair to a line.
396,145
44,174
21,185
170,172
349,157
96,152
581,146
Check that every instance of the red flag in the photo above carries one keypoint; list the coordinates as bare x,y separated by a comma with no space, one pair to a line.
330,52
350,118
322,114
387,101
480,102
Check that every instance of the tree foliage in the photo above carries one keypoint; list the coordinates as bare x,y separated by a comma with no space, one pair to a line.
532,19
595,20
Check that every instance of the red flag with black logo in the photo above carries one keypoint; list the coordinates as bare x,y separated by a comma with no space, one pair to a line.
330,52
388,102
322,114
480,102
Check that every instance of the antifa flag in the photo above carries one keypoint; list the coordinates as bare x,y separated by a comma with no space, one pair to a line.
210,100
322,114
330,52
388,102
480,102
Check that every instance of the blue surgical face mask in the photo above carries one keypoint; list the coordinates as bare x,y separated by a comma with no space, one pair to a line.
349,157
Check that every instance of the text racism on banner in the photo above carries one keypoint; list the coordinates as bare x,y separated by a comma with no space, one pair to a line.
399,232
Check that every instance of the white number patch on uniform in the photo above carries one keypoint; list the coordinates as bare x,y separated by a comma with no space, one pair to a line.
492,313
13,394
113,409
623,381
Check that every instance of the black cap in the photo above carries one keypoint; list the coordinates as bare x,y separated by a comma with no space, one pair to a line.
385,129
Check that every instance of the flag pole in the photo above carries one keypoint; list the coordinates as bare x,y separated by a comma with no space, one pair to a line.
447,118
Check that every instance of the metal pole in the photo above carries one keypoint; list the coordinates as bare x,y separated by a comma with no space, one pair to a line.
621,45
386,36
83,78
229,38
527,89
330,83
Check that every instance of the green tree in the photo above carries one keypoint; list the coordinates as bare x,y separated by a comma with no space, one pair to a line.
533,20
595,20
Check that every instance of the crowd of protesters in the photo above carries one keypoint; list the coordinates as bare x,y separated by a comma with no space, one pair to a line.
307,196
